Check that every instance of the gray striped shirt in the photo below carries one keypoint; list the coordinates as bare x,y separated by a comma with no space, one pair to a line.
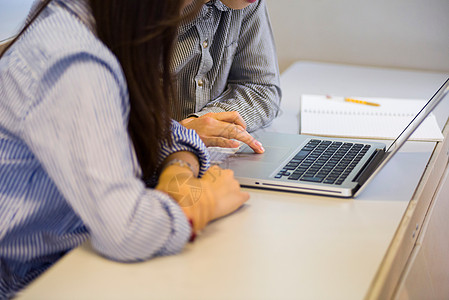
226,60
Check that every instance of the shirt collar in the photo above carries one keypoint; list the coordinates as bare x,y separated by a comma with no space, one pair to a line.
81,9
205,10
219,5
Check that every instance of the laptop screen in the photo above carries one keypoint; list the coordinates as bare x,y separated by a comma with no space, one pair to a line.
411,127
420,117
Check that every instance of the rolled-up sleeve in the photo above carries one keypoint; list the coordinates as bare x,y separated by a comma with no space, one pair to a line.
253,84
184,139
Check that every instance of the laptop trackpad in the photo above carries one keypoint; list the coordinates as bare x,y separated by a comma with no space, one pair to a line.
272,154
246,163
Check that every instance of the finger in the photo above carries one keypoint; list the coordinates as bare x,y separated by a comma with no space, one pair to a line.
245,197
220,142
213,173
236,132
213,129
230,117
214,169
239,200
216,128
211,126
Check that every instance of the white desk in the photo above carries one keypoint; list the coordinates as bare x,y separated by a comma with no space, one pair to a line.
279,245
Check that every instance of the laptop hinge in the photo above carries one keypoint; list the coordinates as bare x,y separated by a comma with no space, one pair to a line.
369,168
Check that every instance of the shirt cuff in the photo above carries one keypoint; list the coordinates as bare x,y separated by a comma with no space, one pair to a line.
206,110
184,139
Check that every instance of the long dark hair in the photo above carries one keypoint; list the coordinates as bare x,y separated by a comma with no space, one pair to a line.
141,34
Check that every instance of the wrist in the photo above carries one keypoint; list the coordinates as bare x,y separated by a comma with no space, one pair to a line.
183,159
182,164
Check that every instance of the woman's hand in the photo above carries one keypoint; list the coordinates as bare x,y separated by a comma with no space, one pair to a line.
223,129
225,189
202,200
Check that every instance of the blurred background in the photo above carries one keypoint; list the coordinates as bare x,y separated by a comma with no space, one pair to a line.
12,16
408,34
405,34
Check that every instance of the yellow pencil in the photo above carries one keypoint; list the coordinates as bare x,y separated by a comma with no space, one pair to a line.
361,102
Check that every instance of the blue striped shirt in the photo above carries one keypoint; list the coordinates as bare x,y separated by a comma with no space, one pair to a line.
226,60
68,171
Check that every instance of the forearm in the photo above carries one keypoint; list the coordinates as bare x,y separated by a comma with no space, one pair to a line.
155,226
257,104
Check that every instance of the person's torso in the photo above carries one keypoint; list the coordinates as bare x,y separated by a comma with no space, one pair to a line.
204,55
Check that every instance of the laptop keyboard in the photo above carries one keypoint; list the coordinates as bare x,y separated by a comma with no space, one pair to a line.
324,161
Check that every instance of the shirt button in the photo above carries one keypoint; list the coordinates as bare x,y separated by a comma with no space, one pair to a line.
207,14
205,44
200,82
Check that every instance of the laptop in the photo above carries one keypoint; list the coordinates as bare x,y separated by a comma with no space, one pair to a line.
337,167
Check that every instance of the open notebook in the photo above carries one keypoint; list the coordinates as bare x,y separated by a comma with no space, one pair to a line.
332,116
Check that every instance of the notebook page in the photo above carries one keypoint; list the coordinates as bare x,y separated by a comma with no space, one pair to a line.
335,117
